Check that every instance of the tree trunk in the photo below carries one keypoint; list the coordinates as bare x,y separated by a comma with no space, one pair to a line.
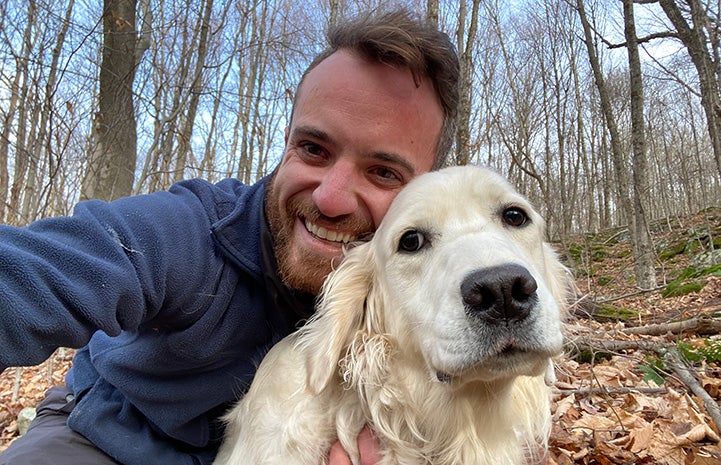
432,11
196,88
644,256
619,164
16,100
111,164
465,43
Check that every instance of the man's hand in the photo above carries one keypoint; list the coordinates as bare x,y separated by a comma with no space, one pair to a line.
367,445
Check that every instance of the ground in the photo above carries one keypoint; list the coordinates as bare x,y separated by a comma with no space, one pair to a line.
617,398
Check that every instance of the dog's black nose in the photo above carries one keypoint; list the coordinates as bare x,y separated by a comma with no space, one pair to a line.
498,294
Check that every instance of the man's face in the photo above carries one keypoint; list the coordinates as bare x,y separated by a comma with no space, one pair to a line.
360,132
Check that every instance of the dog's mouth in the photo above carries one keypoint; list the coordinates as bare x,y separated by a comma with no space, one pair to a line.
509,359
509,349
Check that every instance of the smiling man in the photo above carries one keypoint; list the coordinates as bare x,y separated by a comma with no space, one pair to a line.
360,131
173,298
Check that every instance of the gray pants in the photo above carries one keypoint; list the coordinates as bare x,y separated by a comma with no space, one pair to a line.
49,441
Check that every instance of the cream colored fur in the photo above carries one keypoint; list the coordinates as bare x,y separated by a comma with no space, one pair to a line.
393,347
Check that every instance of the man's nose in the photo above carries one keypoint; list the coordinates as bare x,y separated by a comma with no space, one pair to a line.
336,194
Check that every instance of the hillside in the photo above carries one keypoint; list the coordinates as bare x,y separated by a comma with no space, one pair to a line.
621,396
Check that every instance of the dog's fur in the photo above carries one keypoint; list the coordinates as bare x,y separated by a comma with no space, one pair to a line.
411,343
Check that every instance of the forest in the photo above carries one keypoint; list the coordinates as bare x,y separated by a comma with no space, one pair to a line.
605,113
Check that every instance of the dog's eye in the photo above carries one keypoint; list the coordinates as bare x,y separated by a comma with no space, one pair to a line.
411,241
515,217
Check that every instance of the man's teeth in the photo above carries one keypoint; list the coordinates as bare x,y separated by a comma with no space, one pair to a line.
333,236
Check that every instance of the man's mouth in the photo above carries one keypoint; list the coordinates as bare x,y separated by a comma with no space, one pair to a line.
332,236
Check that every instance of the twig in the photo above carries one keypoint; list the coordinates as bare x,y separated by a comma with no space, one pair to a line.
673,360
609,390
596,345
630,294
16,383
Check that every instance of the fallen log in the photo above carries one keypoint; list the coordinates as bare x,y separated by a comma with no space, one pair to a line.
702,326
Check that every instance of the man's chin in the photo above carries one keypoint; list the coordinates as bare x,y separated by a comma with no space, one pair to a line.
305,275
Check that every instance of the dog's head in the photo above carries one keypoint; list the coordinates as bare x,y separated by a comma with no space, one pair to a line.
457,276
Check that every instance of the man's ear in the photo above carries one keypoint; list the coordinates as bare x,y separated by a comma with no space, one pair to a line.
286,132
339,315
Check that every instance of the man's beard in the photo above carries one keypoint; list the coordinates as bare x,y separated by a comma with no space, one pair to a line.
299,268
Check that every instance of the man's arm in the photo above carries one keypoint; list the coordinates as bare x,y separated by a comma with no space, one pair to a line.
110,266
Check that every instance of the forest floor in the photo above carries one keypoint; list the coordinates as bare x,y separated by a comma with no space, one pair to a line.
641,379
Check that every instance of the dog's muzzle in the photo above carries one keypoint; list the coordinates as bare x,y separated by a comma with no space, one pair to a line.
499,294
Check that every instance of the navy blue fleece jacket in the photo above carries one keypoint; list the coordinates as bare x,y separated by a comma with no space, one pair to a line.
169,301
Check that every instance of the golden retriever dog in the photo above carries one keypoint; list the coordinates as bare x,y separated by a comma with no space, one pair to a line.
437,334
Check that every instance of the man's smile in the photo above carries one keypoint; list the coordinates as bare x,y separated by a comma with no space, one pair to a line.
325,234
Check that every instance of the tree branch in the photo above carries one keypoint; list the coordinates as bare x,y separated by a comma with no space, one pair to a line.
700,326
648,38
672,359
609,390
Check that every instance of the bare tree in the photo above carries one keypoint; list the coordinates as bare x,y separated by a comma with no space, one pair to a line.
111,163
216,86
707,65
196,89
18,92
619,161
465,39
644,256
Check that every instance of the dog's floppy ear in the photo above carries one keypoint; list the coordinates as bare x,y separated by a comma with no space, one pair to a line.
339,316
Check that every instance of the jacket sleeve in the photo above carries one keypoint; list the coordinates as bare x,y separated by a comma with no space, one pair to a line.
110,266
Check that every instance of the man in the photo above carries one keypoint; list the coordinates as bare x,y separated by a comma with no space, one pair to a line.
175,297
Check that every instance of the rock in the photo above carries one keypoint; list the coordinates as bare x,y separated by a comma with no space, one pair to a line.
25,416
707,259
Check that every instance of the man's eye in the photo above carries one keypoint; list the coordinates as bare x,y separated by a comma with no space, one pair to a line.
411,241
313,149
312,154
386,176
515,217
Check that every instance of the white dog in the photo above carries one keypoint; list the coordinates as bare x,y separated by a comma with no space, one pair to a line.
437,334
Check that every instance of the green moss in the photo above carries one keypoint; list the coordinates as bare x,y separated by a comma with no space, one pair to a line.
603,280
691,272
611,312
575,251
675,288
598,253
669,253
688,281
625,253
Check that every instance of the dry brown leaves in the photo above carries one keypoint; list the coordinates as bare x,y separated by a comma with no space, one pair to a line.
604,411
25,387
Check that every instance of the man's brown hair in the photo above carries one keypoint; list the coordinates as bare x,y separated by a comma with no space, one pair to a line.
401,39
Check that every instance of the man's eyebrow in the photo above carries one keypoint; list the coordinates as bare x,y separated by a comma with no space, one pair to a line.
309,131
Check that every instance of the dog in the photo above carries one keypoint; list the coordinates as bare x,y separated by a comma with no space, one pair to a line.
438,333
